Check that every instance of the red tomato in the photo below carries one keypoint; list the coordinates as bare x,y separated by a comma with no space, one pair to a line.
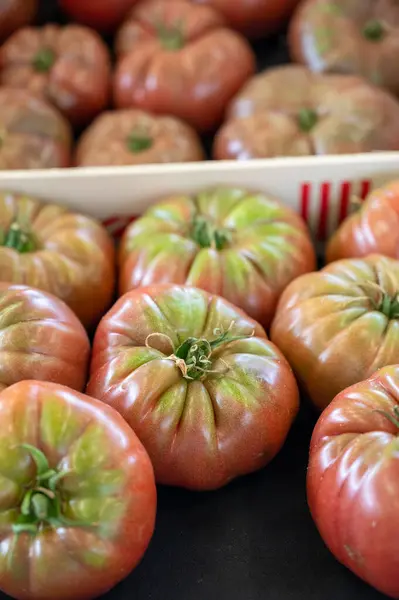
77,498
40,338
374,228
69,66
209,401
104,15
353,481
15,14
180,62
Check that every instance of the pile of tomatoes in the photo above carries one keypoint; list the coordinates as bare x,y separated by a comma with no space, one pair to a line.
172,379
177,69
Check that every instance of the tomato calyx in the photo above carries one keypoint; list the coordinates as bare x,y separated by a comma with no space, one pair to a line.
171,37
43,60
381,300
41,503
307,119
374,30
17,238
207,235
393,418
138,142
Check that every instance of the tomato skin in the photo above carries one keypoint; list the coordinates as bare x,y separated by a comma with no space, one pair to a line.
111,483
193,82
352,480
73,257
252,269
104,15
40,337
76,78
374,228
15,14
199,434
329,328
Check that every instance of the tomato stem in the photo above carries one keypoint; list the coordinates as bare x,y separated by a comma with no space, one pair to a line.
172,37
18,239
208,236
138,142
43,60
374,31
394,419
307,119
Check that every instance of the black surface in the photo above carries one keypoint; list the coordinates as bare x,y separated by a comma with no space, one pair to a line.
254,539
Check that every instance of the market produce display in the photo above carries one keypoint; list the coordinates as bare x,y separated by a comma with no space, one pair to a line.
352,478
69,66
167,73
50,248
104,15
33,134
349,36
40,338
78,494
128,137
198,381
373,228
338,326
243,245
15,14
288,111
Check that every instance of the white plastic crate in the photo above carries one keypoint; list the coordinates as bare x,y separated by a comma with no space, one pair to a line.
318,188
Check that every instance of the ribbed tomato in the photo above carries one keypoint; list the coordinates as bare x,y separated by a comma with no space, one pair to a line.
104,15
198,381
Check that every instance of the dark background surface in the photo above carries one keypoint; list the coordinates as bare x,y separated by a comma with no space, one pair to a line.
254,539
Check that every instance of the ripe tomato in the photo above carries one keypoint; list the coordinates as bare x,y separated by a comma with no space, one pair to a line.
181,62
69,66
372,229
289,111
341,36
340,325
78,494
104,15
244,246
41,338
353,479
129,137
15,14
52,249
33,134
208,401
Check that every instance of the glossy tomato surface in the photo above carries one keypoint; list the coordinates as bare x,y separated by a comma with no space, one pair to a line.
15,14
180,62
33,134
374,228
242,245
353,479
289,111
349,36
78,494
104,15
69,66
47,247
129,137
41,338
338,326
208,395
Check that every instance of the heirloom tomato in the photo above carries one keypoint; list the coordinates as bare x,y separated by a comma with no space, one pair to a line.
349,36
77,498
130,137
68,66
104,15
33,134
15,14
47,247
180,60
374,228
245,246
340,325
41,338
289,111
198,381
353,479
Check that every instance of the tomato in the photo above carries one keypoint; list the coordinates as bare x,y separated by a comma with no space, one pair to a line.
244,246
33,134
67,254
207,394
353,479
15,14
180,62
69,66
129,137
288,111
254,18
41,338
338,326
372,229
78,494
352,36
104,15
